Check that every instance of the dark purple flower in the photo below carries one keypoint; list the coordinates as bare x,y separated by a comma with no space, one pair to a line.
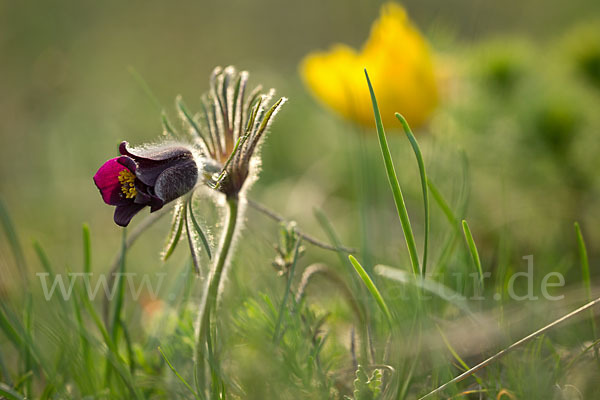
149,177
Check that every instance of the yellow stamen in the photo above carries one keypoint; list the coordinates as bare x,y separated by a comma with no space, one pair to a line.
127,179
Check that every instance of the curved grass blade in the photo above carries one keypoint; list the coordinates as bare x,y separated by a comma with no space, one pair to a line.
113,357
585,272
13,240
43,259
287,291
473,250
455,354
187,385
372,288
144,86
9,330
175,232
167,127
87,249
395,186
9,393
187,117
199,230
419,156
513,346
441,202
120,290
191,242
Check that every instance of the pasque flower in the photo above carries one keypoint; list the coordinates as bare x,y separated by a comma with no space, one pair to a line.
224,136
399,63
151,176
230,128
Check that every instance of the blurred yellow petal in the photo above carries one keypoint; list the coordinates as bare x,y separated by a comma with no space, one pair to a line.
400,66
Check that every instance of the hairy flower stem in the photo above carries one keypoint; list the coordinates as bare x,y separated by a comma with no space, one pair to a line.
209,303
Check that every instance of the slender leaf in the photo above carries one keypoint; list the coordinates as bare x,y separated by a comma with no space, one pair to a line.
175,232
585,272
395,186
167,127
371,287
87,250
9,393
473,250
13,239
9,330
419,156
187,117
177,374
287,290
199,230
441,202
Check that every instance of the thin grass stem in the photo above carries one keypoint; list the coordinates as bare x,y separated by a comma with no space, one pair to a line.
394,185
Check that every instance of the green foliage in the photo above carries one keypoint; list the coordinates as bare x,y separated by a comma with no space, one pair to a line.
512,149
366,387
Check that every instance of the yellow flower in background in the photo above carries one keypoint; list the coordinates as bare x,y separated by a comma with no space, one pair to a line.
400,67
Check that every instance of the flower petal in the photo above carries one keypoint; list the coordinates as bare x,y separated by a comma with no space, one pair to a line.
145,197
107,181
152,162
128,163
400,66
158,153
176,181
124,213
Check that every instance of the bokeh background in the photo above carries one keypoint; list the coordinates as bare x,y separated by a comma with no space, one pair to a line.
513,145
68,97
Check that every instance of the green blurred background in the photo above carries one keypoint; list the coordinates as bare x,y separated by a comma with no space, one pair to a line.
513,146
68,97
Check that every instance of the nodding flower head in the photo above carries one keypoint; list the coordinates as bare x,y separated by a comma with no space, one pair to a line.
225,137
151,176
229,128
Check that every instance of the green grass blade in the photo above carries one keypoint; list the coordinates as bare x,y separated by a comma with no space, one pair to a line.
43,258
174,233
187,117
372,288
167,127
331,234
9,330
177,374
199,230
455,354
13,239
395,186
585,273
9,393
113,357
116,314
144,86
419,156
28,325
287,291
114,327
441,202
85,345
356,288
473,250
87,249
129,347
585,265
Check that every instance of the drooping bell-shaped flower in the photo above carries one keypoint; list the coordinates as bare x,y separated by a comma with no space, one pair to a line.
151,176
